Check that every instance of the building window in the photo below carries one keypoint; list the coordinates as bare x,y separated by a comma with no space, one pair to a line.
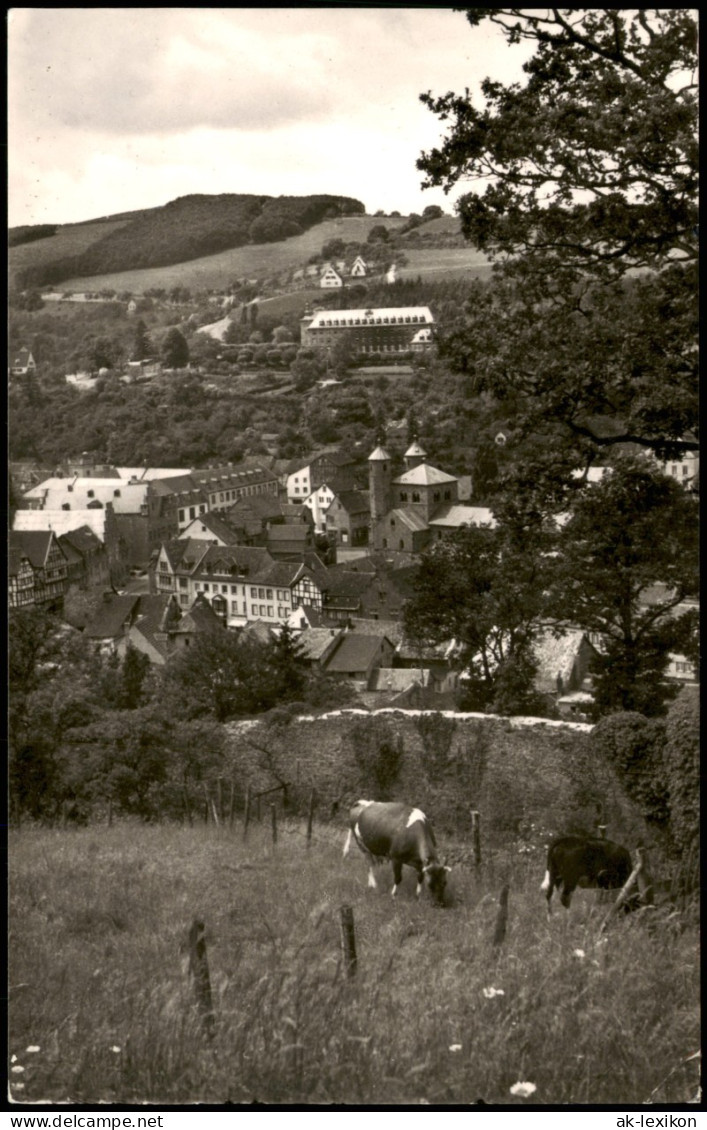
416,496
253,592
192,512
183,582
206,587
270,611
184,599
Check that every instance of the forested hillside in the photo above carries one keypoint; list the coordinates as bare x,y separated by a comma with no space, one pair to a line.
184,229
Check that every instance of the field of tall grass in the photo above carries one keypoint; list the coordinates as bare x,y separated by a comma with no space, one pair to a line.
102,1007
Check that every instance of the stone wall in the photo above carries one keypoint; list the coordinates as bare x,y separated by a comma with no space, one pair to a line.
516,772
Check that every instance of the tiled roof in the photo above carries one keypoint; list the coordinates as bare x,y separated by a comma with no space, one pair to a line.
34,544
280,573
354,501
215,525
111,616
84,539
392,629
316,642
354,653
290,532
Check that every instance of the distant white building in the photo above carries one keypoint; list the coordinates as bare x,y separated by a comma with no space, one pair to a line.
358,269
391,274
330,278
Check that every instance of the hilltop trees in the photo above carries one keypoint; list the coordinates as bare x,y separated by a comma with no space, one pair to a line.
589,207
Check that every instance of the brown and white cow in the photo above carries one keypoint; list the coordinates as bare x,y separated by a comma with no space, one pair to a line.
402,834
584,861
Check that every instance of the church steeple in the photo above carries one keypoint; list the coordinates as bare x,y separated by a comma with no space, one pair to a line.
414,455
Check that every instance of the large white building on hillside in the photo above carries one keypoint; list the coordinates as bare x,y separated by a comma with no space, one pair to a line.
388,329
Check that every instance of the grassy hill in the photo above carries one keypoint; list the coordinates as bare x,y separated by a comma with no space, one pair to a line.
217,271
186,229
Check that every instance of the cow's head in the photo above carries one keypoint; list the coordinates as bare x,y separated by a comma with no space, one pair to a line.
436,880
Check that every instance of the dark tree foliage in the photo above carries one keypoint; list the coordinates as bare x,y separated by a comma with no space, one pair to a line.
633,745
142,345
628,559
587,200
175,350
486,589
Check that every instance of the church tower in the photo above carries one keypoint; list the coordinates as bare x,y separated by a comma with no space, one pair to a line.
379,483
414,455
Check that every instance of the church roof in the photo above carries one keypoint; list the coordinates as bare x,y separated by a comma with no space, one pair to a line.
379,455
424,475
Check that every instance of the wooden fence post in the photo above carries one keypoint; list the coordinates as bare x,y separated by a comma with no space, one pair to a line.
645,879
499,933
246,814
601,831
310,817
476,836
624,892
199,969
348,940
232,804
187,806
273,821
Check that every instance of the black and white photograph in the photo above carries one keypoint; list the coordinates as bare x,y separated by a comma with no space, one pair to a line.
353,579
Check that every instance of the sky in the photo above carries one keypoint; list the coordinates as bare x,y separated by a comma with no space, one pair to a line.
115,109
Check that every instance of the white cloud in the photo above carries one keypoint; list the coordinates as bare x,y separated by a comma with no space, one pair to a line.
112,109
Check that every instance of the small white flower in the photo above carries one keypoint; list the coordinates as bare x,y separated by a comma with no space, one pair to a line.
523,1089
18,1069
490,993
578,953
115,1049
32,1048
17,1086
13,1059
455,1047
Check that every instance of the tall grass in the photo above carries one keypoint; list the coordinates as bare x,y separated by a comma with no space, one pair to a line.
98,979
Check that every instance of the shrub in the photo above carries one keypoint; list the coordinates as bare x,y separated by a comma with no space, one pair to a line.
681,761
633,745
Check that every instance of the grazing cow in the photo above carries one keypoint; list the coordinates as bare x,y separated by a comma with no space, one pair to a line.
394,831
584,861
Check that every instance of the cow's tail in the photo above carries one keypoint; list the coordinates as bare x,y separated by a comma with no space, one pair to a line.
545,885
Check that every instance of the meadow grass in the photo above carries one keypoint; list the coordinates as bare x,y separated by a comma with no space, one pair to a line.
99,982
253,260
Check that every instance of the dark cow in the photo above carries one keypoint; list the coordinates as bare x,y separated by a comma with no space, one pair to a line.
584,861
394,831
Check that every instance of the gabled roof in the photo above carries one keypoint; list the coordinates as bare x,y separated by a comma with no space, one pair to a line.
281,573
34,544
354,501
214,525
556,656
316,643
222,559
355,653
109,621
424,475
15,557
200,617
391,629
83,539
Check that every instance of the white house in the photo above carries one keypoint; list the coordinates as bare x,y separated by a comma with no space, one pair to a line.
319,502
358,269
330,278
